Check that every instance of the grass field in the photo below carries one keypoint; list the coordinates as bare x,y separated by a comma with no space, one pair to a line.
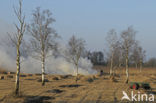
64,89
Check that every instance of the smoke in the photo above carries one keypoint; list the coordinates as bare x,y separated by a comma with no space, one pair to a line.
54,65
6,61
57,65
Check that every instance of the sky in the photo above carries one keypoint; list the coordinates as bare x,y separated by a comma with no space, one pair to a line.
91,19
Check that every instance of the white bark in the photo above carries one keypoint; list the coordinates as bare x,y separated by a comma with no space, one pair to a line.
17,40
77,73
76,48
18,72
42,37
43,64
127,69
43,71
111,66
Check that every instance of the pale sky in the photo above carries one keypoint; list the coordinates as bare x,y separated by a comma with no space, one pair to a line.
91,19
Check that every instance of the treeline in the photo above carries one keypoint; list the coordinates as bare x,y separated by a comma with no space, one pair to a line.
150,63
100,58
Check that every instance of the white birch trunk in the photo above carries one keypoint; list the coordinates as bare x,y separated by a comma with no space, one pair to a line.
76,72
18,72
43,69
127,70
111,66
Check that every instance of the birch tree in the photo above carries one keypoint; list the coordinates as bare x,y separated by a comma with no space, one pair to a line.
128,40
142,54
112,42
138,55
135,57
76,47
118,57
43,37
17,39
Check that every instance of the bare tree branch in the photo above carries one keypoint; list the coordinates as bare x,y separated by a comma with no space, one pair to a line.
17,39
43,37
75,49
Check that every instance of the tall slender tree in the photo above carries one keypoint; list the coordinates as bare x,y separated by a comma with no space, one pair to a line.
112,42
135,56
142,55
17,39
43,37
128,40
76,48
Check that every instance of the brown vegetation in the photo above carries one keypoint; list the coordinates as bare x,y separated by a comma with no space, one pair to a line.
89,88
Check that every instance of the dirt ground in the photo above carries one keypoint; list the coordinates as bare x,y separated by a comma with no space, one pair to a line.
64,89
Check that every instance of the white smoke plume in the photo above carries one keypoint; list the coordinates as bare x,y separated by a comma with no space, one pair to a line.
6,61
54,65
57,66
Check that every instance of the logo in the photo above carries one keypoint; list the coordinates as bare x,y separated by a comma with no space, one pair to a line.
138,97
125,96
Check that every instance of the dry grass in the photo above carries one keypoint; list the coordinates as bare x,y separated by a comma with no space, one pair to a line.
88,89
